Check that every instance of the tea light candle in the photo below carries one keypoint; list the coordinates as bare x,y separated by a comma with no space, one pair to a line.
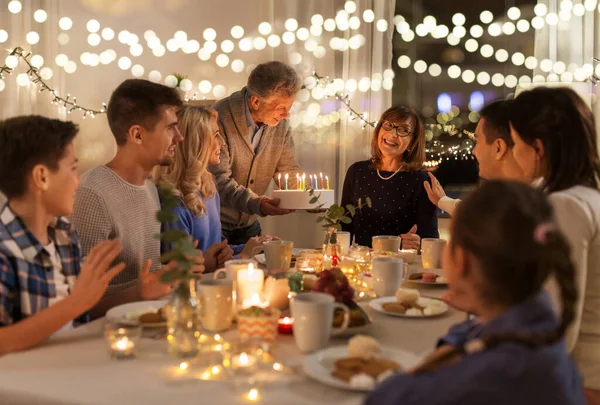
249,283
122,348
243,360
285,325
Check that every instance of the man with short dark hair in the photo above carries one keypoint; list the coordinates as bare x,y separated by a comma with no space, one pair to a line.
493,150
119,200
258,145
43,284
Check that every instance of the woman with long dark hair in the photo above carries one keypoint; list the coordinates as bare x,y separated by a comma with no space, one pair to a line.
504,245
556,147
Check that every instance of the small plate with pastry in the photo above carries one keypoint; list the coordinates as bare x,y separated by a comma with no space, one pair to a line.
147,314
408,303
428,278
360,366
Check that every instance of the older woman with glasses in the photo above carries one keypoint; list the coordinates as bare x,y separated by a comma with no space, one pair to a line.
392,178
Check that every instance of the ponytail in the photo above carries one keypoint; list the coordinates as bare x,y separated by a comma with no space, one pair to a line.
555,254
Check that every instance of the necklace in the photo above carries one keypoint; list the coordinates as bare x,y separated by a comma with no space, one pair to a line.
389,177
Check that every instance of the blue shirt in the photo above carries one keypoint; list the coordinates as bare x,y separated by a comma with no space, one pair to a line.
509,373
205,229
26,270
254,131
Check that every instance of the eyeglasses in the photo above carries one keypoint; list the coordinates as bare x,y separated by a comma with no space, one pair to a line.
399,131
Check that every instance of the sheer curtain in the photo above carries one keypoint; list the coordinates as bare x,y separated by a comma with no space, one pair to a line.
324,142
574,42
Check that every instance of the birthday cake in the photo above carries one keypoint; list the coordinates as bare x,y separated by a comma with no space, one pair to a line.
300,199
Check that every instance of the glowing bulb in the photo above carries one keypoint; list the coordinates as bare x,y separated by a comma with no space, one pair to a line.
468,76
23,79
237,32
494,29
295,58
486,17
253,395
192,46
137,70
291,24
329,25
210,46
203,54
540,9
40,16
3,36
538,22
15,6
159,51
508,28
136,49
222,60
274,40
32,38
501,55
264,28
124,63
123,38
382,25
559,67
185,85
510,81
487,51
404,61
303,34
476,31
205,86
93,26
518,59
182,38
70,67
288,38
471,45
219,91
454,71
513,13
259,43
498,79
108,34
37,61
94,39
523,25
65,23
209,34
154,76
531,62
552,19
11,61
368,16
61,60
459,19
316,19
317,30
350,6
420,66
483,78
237,66
546,65
435,70
245,44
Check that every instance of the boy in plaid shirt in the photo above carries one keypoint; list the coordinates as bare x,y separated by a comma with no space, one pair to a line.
44,285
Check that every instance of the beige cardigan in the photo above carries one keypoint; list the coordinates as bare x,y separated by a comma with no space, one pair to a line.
243,176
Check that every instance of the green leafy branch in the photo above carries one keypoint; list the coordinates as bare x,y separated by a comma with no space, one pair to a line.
337,215
182,248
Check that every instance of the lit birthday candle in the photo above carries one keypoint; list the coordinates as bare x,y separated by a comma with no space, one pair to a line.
311,181
322,184
279,180
286,181
327,179
303,181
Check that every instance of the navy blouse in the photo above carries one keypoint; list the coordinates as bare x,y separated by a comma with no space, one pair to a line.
398,203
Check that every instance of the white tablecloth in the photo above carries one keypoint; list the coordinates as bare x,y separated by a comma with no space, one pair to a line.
74,368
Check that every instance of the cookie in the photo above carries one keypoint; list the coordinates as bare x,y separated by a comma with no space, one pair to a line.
150,317
395,307
349,363
343,374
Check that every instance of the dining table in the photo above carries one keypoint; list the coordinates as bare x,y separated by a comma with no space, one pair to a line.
74,367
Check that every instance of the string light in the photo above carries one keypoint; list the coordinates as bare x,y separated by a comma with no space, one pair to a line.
35,76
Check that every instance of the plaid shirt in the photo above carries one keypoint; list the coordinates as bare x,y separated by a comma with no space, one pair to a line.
26,272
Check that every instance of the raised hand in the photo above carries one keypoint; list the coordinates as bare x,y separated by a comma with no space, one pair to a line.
95,275
411,240
435,191
270,206
151,287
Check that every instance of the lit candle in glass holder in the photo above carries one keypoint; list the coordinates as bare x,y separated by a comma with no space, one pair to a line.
249,283
285,325
122,340
243,360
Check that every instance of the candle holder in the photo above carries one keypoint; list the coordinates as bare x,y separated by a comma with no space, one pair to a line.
122,340
258,323
285,326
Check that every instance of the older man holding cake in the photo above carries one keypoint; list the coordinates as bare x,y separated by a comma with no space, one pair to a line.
258,146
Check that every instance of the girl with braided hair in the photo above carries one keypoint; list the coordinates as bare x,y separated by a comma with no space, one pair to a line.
504,246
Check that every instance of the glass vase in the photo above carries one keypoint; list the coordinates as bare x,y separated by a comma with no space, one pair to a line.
183,321
331,249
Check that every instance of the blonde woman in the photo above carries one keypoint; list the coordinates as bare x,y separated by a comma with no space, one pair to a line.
198,212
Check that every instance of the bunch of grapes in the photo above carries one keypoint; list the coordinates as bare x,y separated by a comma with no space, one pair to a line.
334,282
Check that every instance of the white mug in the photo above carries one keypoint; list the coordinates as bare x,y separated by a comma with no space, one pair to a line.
431,252
216,304
344,239
233,266
278,254
388,274
386,243
313,320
